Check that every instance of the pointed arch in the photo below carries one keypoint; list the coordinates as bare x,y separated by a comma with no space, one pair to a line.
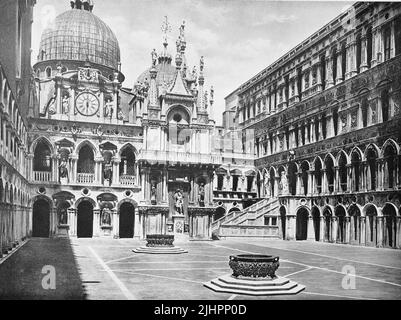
44,140
88,143
390,143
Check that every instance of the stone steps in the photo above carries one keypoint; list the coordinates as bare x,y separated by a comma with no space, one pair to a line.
160,250
254,287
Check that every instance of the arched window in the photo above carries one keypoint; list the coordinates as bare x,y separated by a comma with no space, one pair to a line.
385,103
355,171
358,53
86,163
48,72
390,166
335,122
369,46
42,160
342,167
304,170
220,181
329,165
318,175
364,107
292,178
387,42
334,59
127,166
371,157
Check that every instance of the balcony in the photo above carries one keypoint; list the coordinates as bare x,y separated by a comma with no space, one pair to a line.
42,176
127,180
85,178
172,157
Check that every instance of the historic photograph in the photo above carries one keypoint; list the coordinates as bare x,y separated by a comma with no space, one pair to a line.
200,150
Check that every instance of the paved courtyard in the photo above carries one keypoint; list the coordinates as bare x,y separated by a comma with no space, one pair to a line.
108,269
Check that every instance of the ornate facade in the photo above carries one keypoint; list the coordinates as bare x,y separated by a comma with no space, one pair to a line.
326,128
105,160
15,81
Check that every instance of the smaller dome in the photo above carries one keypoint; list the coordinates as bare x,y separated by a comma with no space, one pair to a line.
165,74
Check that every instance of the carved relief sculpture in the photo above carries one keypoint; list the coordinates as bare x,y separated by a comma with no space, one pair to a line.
179,202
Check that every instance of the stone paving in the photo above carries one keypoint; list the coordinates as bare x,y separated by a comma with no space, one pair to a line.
108,269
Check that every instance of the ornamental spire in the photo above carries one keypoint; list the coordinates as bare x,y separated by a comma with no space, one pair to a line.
164,56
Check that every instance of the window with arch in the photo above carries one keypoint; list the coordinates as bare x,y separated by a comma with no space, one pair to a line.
371,159
342,168
42,157
48,72
385,103
86,163
390,166
329,166
355,171
358,53
387,42
369,46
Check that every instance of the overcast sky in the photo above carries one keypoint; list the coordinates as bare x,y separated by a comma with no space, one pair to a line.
238,38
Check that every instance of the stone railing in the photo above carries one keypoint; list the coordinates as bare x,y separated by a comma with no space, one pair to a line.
248,231
42,176
182,157
85,178
127,180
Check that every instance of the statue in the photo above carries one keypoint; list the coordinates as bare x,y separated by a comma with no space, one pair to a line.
153,194
63,171
283,183
154,57
202,64
120,115
106,217
201,195
194,73
182,29
211,93
108,171
179,202
74,131
66,104
108,109
63,218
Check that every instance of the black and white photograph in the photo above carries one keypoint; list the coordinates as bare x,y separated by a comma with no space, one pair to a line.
214,151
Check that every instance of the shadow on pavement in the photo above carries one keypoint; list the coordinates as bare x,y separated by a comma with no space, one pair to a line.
22,275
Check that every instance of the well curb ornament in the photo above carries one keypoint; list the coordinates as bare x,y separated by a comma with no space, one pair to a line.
254,275
160,244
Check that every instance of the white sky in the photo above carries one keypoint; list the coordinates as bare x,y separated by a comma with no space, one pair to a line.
238,38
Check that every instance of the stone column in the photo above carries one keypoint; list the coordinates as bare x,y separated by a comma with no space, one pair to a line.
320,138
349,178
73,171
392,39
311,229
116,170
348,230
363,230
322,228
334,228
310,182
380,231
364,53
98,170
299,184
299,135
307,131
339,65
325,183
329,70
312,131
337,187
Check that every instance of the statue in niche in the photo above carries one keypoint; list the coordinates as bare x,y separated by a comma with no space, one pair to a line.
108,108
283,183
63,217
201,195
66,103
179,202
51,106
108,171
154,57
120,115
106,217
153,191
74,131
63,170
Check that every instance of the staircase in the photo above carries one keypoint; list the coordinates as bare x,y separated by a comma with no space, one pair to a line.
248,222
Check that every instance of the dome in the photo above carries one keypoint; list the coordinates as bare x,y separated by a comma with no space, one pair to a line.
79,35
165,74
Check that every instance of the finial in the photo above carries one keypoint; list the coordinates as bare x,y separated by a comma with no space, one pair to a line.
182,31
201,64
166,28
154,57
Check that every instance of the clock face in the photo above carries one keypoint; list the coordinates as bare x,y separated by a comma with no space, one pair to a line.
87,104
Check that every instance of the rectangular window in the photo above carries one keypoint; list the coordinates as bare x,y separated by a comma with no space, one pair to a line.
274,221
387,43
267,221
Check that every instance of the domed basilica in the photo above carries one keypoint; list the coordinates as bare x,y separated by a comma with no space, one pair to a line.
114,161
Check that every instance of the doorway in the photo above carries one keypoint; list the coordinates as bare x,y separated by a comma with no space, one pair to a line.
85,220
127,220
41,219
302,224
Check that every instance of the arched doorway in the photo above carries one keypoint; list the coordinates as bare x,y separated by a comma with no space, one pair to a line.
355,227
371,225
292,178
41,219
283,221
85,220
219,213
302,224
390,225
127,220
341,226
327,214
316,222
